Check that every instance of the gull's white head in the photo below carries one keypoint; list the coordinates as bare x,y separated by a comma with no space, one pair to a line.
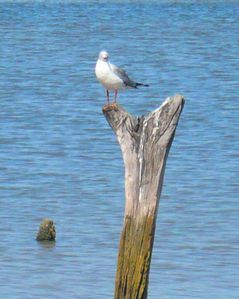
104,56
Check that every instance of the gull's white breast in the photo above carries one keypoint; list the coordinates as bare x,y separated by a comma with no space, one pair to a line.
106,76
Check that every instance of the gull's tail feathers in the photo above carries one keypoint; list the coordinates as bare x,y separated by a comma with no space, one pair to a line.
141,84
133,84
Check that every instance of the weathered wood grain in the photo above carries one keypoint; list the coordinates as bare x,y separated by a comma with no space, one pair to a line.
145,142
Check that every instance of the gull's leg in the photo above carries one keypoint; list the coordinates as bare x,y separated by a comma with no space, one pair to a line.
116,93
108,96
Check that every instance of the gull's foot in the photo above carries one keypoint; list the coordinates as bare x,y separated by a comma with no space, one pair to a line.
110,106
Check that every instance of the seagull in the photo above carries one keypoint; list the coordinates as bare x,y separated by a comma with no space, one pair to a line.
112,77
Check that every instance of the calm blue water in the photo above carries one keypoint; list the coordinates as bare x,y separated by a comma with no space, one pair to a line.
59,158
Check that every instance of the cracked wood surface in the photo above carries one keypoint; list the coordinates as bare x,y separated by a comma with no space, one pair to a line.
145,142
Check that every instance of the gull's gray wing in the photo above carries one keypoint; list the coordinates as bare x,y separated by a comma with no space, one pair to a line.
123,76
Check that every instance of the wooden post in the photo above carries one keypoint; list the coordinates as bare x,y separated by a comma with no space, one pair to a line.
145,142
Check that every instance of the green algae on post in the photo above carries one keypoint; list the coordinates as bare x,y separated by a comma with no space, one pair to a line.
47,231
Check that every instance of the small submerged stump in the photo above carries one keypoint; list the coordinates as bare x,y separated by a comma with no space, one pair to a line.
145,142
47,231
